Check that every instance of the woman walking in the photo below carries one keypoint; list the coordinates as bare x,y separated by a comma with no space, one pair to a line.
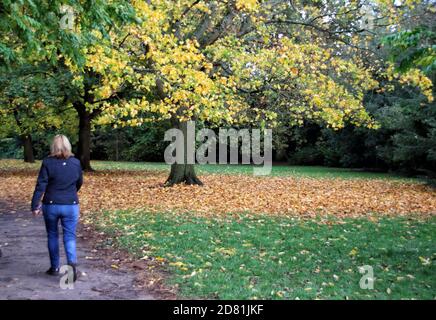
59,179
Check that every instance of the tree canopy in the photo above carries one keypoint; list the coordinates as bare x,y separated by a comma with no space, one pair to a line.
253,62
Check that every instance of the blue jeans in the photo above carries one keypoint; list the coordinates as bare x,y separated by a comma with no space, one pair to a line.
69,216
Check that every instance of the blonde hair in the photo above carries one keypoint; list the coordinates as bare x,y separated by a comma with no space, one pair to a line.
60,147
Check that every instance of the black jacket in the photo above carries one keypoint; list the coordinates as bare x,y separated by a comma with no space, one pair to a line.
59,180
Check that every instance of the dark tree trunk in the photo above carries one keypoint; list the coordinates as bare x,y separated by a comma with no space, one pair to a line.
28,148
26,139
84,144
117,146
183,173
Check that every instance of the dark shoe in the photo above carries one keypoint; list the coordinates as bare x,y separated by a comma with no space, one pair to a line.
53,272
75,273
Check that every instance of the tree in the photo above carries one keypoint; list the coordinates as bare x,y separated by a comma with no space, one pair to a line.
221,62
30,102
32,31
413,48
412,45
402,105
229,62
51,30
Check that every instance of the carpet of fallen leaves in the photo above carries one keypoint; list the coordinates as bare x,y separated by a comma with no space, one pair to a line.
111,190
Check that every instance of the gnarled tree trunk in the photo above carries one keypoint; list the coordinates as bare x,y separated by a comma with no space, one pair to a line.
183,172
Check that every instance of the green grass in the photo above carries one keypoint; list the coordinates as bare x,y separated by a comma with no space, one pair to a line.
129,166
264,257
277,170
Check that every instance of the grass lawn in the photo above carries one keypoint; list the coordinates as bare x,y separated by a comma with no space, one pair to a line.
264,257
277,170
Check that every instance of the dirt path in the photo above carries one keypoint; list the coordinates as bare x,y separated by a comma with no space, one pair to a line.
24,261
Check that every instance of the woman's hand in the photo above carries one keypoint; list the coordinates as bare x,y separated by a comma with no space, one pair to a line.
37,212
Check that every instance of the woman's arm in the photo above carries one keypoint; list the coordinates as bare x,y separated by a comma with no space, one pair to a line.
41,185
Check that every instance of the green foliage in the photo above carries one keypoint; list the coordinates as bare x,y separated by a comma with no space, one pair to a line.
9,149
405,140
30,29
33,99
413,48
143,143
237,61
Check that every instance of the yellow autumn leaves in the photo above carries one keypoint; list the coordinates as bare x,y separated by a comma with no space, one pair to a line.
415,77
177,76
247,5
299,78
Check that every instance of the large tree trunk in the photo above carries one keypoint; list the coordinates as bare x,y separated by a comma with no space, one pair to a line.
84,144
183,172
28,148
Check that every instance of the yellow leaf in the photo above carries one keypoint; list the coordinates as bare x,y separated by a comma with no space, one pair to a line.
353,252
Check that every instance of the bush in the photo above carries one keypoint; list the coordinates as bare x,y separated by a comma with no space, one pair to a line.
307,155
144,143
10,149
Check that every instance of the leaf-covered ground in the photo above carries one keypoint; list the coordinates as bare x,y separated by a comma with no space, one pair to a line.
248,237
221,194
271,257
